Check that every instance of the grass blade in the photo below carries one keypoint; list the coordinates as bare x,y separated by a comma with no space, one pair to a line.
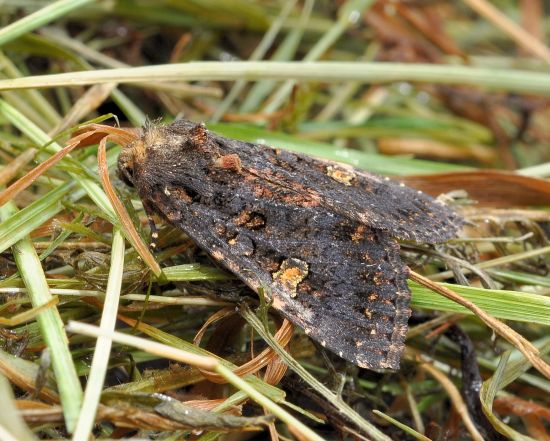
102,351
506,305
511,80
39,18
50,323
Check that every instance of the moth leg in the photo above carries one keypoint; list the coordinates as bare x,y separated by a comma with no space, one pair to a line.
152,226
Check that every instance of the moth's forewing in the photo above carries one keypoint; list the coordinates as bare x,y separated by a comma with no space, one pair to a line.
300,228
376,201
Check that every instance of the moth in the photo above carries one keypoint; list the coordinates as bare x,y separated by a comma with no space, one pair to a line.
319,238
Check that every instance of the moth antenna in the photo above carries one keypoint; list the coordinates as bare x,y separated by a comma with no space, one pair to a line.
125,221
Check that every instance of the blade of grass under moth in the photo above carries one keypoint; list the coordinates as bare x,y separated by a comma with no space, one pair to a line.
514,338
510,80
207,363
51,325
503,304
100,360
195,271
39,18
340,405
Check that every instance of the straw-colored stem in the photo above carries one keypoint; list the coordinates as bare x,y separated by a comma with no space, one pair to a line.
100,361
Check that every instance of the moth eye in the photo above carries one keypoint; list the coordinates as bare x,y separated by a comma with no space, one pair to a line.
125,171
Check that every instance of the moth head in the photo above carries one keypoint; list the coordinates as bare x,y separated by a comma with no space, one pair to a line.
134,153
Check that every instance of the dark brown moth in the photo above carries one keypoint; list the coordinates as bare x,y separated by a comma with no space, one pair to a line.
318,237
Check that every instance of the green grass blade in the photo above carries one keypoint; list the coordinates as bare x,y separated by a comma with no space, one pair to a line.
20,224
272,392
520,277
285,51
194,272
279,412
348,15
502,304
51,325
511,80
505,372
402,426
39,18
258,54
